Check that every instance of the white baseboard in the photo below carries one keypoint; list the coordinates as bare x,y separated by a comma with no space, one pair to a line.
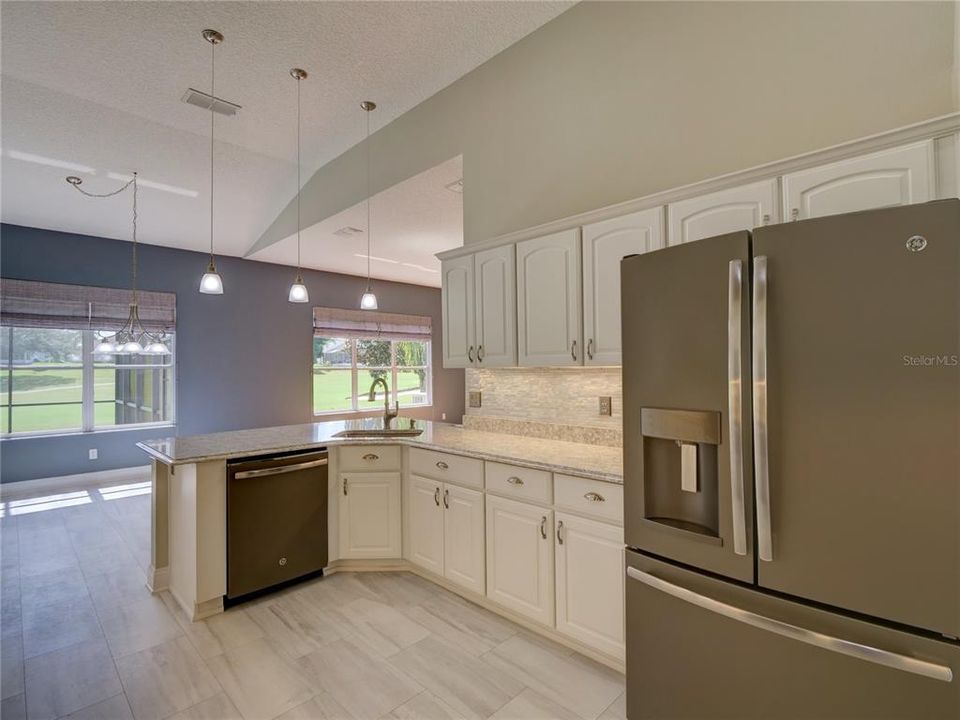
82,481
158,579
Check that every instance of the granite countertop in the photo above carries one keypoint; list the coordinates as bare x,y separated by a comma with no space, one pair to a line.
600,462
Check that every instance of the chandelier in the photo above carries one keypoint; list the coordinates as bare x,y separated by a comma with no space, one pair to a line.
131,338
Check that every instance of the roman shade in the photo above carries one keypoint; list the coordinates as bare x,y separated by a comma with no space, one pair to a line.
340,323
29,303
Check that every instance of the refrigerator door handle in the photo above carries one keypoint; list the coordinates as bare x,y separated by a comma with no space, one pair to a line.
735,404
795,632
760,454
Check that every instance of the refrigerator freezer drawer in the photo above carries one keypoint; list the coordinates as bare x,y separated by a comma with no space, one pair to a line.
703,648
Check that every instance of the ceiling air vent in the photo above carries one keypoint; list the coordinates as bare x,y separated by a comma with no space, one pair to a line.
348,231
202,100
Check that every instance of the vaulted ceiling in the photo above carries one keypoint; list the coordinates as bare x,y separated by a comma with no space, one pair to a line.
94,89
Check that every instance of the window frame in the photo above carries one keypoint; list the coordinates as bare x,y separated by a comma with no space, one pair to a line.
393,370
87,365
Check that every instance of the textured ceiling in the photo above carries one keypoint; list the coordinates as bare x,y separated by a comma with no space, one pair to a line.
98,85
411,222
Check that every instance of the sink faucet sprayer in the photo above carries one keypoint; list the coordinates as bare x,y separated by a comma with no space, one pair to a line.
387,414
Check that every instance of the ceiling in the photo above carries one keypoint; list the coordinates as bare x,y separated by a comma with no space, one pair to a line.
94,88
411,222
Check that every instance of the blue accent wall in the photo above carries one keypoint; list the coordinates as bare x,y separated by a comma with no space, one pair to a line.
243,358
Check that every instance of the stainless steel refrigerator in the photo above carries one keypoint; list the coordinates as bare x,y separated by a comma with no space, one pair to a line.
792,470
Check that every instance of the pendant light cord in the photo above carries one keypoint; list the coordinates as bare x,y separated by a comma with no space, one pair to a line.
298,178
369,229
134,274
213,49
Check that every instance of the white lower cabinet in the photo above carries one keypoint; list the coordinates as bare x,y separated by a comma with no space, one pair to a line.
590,592
520,558
463,537
446,533
369,518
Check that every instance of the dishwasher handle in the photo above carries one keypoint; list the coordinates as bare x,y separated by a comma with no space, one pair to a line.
282,469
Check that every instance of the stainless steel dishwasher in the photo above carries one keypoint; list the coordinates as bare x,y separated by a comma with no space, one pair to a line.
276,521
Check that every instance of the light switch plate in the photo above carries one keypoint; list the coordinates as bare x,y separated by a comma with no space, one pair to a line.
474,398
606,405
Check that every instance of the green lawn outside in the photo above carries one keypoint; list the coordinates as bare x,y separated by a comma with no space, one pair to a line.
332,388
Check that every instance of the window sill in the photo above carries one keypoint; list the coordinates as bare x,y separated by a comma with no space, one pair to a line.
87,433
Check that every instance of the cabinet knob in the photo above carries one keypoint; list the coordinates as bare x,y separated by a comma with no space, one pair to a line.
442,465
514,480
371,456
594,497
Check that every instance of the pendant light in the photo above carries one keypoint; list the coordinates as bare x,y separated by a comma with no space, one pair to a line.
369,300
298,291
211,283
132,338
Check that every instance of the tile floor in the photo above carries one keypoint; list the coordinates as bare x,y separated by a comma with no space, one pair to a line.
82,638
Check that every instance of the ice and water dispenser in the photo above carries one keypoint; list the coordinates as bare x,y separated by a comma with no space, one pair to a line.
680,470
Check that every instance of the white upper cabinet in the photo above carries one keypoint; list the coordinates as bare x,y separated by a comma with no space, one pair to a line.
898,176
605,244
458,306
495,278
548,300
725,211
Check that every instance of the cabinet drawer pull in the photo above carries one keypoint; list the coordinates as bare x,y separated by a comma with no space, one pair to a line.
480,353
573,349
470,354
446,499
344,486
590,349
436,496
543,527
559,531
371,456
594,497
514,480
442,465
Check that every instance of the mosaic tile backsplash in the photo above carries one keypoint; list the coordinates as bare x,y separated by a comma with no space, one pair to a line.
554,403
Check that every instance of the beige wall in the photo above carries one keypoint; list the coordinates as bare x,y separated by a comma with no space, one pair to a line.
612,101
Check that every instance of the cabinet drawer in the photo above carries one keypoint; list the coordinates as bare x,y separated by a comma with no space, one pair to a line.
519,483
369,458
590,497
446,467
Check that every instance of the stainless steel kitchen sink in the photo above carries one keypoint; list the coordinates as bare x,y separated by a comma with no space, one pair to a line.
400,432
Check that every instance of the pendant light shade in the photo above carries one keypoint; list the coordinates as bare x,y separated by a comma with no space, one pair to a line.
368,301
211,283
105,347
298,291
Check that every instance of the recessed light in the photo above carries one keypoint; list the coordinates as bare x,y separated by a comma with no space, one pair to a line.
348,231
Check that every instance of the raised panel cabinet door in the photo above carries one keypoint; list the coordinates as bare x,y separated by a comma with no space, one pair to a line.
463,538
369,515
590,577
548,300
898,176
520,558
495,282
605,244
425,516
459,312
722,212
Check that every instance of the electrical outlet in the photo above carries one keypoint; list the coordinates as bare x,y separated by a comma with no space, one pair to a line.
93,453
606,405
474,398
443,416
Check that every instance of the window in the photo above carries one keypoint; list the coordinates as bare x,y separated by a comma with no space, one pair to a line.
344,369
50,380
352,348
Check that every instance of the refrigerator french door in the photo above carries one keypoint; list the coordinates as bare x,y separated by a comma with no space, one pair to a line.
806,380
